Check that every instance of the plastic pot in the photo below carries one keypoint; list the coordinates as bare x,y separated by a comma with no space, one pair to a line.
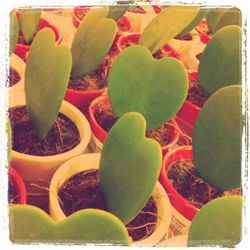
192,61
99,134
19,65
21,49
91,161
19,186
189,112
37,169
184,207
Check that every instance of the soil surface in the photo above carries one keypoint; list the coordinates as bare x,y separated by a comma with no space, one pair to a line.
196,95
185,37
13,195
106,118
62,137
188,183
14,77
83,191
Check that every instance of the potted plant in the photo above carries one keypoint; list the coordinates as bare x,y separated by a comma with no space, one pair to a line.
30,22
224,44
188,174
92,56
102,118
81,175
42,137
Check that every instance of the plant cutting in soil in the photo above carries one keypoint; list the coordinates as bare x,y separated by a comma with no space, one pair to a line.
62,137
190,185
83,191
14,77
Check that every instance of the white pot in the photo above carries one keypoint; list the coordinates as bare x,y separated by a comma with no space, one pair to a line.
34,169
176,241
192,62
91,161
19,65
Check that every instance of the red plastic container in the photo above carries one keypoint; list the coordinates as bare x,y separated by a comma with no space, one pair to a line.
183,206
101,134
21,49
189,112
18,185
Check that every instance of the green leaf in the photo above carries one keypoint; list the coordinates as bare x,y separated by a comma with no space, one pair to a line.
166,25
29,20
139,83
116,11
129,167
14,31
230,16
92,41
212,16
202,13
30,224
220,64
217,139
218,223
46,78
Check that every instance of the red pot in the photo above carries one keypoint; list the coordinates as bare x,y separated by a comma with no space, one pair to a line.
101,134
183,206
21,49
189,112
19,185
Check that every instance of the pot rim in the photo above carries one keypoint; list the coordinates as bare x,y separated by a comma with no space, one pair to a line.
83,129
19,184
70,167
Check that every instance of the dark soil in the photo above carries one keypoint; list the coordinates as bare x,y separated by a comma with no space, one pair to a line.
62,137
196,95
137,9
95,80
83,191
14,77
185,37
13,195
199,56
106,118
188,183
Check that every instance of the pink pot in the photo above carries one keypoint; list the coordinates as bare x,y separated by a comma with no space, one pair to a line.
101,134
19,186
182,205
21,49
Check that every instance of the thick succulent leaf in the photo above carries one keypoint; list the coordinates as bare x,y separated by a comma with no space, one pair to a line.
29,20
116,11
166,25
220,64
217,139
139,83
212,17
92,41
218,223
46,78
14,31
30,224
129,167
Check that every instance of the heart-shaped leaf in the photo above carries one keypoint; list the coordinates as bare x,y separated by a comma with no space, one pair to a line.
220,64
129,167
139,83
92,41
218,223
46,78
29,224
14,31
217,139
29,20
166,25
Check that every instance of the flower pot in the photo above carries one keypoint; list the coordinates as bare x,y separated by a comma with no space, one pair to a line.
21,49
19,65
91,161
192,61
18,186
99,134
39,169
184,211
